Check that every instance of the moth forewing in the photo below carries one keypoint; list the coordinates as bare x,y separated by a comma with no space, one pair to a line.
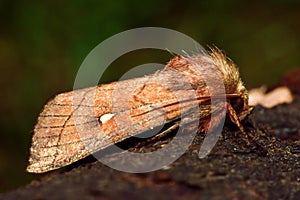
69,130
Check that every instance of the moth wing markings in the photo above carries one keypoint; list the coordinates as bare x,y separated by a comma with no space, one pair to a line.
43,158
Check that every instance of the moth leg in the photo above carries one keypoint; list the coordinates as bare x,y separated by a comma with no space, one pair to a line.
235,119
159,136
246,112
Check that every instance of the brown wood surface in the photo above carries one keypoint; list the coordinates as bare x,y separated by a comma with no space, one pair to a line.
233,170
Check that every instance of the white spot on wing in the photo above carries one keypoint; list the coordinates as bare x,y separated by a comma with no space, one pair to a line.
104,118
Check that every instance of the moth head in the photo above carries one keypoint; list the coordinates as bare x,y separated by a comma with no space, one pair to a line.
232,81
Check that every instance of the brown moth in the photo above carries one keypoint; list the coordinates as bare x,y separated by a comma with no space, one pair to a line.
56,141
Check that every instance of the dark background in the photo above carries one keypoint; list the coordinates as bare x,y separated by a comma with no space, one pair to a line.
42,44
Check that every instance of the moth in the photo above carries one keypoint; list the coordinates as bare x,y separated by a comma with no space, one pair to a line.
73,123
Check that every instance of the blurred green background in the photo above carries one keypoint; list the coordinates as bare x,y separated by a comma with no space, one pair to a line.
42,44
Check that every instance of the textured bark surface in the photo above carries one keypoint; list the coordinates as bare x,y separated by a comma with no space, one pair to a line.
233,170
